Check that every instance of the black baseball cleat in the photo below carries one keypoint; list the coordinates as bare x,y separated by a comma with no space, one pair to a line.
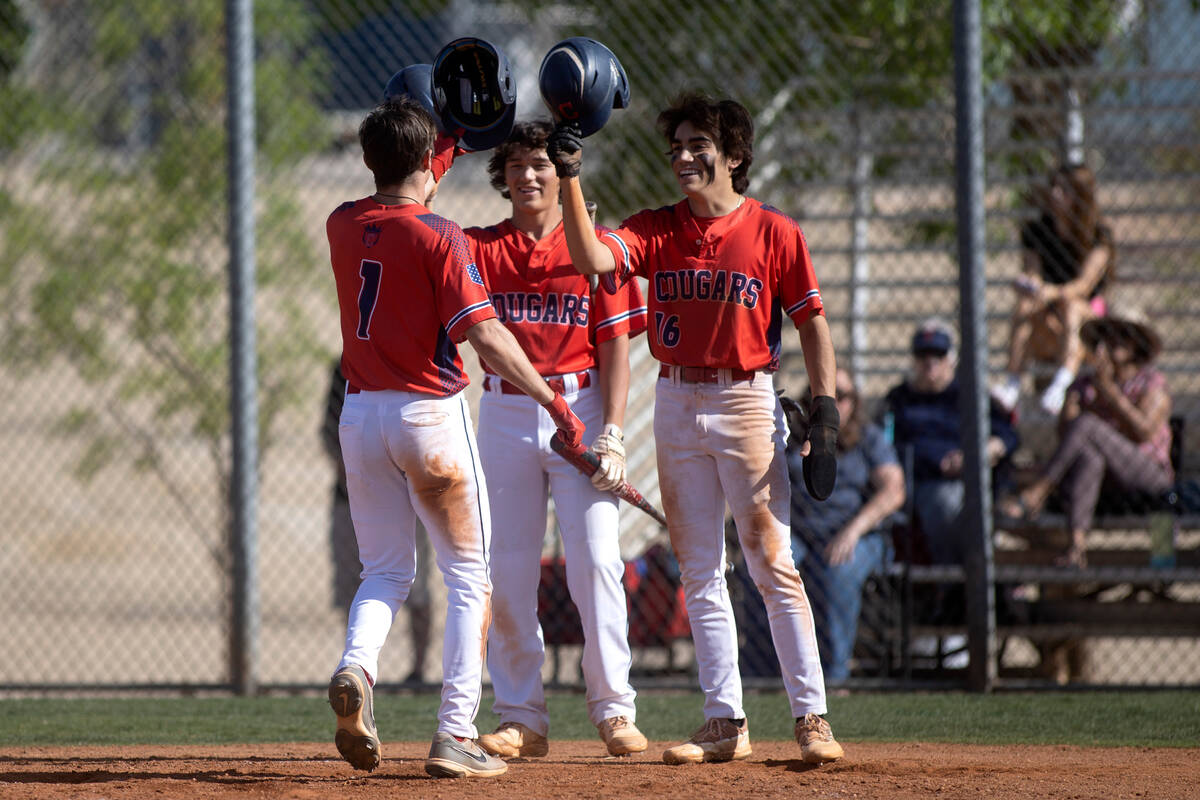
450,758
356,737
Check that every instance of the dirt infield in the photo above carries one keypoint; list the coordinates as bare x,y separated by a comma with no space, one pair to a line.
576,770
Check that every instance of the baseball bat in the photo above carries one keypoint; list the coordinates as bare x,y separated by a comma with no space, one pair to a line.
587,462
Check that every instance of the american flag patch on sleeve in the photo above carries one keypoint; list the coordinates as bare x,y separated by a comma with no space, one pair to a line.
473,274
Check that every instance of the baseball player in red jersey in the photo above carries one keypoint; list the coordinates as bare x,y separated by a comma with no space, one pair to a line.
409,292
580,344
723,270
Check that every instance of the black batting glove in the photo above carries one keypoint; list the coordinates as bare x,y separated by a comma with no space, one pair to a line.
820,465
565,149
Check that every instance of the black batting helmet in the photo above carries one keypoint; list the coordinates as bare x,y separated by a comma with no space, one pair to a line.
582,82
416,83
474,92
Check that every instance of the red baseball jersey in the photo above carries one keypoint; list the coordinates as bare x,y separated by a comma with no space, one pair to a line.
546,304
718,285
408,290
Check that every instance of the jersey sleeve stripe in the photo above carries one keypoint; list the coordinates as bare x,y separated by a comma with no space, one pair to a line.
632,313
791,310
471,309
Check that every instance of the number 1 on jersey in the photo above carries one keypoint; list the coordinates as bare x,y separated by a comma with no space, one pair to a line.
371,273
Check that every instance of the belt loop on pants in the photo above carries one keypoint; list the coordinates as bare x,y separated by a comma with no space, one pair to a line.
564,384
723,375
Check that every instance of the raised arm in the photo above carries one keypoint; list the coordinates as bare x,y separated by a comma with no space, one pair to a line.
590,257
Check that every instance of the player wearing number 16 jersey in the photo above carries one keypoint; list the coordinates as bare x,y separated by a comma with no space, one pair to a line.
724,269
409,292
579,342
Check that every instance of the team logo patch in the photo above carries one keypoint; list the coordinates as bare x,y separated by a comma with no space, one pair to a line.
371,235
473,274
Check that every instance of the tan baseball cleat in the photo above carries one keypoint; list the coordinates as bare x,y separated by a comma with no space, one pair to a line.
621,736
350,699
817,744
513,740
717,739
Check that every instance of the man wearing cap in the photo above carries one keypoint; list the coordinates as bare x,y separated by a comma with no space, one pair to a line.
925,420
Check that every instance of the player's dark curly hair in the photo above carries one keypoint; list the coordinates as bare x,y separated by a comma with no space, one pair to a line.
525,136
727,120
394,138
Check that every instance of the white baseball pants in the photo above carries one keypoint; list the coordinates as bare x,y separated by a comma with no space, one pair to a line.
412,455
718,443
514,443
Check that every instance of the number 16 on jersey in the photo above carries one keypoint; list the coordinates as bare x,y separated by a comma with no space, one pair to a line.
667,327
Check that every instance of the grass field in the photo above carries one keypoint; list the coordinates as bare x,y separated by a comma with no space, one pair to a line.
1104,719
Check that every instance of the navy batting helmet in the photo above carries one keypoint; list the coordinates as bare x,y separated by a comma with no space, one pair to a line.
416,83
582,82
474,92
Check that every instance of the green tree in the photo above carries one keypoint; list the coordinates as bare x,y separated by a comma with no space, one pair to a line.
129,286
799,66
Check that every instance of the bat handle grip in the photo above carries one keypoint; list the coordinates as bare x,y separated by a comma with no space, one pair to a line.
580,451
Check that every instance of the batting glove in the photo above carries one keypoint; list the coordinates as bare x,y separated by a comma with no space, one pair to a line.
564,418
565,149
609,446
820,465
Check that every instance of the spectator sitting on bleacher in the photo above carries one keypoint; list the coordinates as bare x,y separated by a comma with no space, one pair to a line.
924,416
1115,422
1068,257
838,543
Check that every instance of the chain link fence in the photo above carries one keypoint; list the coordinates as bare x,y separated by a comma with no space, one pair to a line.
114,270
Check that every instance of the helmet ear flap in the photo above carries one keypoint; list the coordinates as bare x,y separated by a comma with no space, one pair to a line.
621,94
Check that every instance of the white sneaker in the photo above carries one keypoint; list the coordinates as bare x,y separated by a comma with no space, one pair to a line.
1007,394
1056,393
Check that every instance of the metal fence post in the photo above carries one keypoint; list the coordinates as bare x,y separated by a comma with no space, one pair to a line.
243,539
969,177
860,261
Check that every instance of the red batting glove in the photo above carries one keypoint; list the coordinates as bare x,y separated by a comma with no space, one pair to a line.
564,418
445,150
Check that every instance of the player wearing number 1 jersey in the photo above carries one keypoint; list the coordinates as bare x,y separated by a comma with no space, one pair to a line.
409,292
723,270
579,342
